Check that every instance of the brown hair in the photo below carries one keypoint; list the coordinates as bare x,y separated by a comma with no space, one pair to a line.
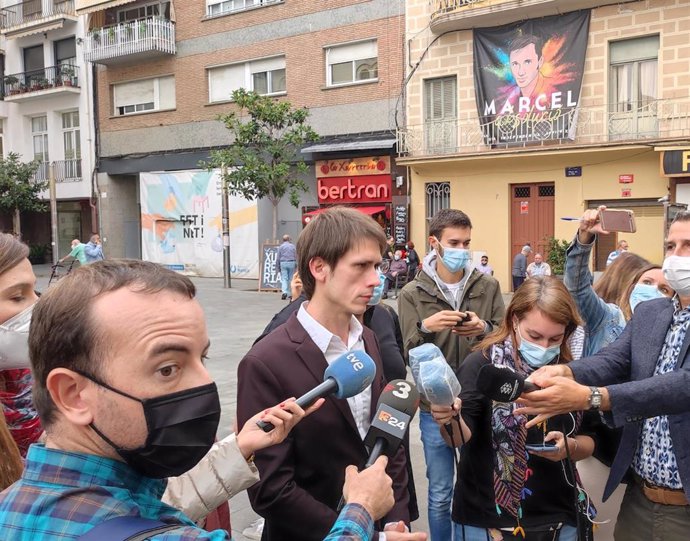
11,465
448,218
330,235
624,300
12,252
618,276
63,334
523,41
546,294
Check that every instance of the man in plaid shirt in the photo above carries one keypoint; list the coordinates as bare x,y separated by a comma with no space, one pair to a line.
117,350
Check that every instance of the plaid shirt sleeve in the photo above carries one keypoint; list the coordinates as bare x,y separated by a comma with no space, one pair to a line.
354,524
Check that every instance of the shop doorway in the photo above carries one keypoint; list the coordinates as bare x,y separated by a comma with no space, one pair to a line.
531,216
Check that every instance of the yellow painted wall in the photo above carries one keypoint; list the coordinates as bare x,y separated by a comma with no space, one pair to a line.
481,188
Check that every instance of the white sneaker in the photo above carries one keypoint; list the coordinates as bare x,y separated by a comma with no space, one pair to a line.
254,530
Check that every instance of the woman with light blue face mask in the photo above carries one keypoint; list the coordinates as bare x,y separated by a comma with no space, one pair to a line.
530,490
649,283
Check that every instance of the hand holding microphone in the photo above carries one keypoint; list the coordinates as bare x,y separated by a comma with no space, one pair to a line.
502,384
347,376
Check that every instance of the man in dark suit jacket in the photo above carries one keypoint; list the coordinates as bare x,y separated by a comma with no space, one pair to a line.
642,383
301,479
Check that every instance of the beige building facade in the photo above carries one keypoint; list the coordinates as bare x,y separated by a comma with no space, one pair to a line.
627,141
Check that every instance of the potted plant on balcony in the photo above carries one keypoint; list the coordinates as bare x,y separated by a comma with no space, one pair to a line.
67,74
43,83
11,87
96,35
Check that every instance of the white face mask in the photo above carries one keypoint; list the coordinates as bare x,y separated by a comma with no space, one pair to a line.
676,270
14,340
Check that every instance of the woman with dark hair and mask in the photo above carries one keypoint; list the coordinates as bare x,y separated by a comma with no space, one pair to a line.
520,492
17,299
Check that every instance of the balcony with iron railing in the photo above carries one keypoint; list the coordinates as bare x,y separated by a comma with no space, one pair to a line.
64,170
646,122
34,16
130,41
447,15
30,85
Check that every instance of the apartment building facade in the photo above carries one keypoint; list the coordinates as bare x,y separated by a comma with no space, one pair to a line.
45,113
607,120
166,71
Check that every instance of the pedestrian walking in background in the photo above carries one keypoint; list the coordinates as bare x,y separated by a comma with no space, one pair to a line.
93,249
520,267
286,262
77,252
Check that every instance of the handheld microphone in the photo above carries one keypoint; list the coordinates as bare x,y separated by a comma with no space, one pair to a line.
397,406
503,384
347,376
434,377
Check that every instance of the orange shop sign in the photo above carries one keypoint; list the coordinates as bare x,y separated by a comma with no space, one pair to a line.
354,167
363,189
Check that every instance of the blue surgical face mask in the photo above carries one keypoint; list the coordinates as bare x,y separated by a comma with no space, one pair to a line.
643,292
378,291
454,259
535,355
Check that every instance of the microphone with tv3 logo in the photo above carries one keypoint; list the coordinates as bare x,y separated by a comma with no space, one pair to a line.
397,406
502,384
347,376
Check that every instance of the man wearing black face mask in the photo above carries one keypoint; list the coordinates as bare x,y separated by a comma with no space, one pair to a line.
126,401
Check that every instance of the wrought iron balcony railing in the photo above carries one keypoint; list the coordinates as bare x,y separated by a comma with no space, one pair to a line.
151,34
438,7
32,81
31,11
653,120
65,170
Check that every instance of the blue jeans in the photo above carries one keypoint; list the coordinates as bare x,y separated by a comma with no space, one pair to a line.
440,469
287,269
472,533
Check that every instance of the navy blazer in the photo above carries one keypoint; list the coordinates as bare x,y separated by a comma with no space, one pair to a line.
302,478
626,369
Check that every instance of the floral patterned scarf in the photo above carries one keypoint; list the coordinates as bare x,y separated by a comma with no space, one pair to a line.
508,441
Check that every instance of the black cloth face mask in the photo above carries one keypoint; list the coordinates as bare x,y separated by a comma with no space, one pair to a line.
181,428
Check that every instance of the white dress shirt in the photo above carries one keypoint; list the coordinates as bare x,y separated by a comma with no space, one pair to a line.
333,347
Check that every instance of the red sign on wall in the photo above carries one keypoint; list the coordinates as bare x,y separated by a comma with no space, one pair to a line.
626,192
626,179
361,189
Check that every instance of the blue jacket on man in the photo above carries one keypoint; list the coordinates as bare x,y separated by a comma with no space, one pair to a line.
626,369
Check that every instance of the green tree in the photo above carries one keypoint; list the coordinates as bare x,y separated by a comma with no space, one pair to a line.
556,255
263,160
19,188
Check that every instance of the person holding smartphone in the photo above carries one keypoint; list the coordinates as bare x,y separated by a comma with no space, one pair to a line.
504,489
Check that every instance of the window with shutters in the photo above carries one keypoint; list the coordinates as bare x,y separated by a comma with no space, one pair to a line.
147,95
634,87
72,144
440,115
265,76
352,63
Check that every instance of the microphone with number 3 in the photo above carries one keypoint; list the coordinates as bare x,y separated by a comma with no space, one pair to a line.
397,406
347,376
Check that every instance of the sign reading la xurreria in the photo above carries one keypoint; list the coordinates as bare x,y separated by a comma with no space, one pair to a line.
527,78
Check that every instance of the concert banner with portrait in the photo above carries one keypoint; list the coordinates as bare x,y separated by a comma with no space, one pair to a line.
527,79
